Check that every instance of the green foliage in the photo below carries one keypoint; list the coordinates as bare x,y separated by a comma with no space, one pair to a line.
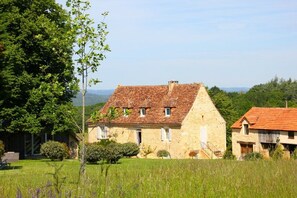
105,151
228,155
130,149
105,142
66,150
146,150
89,49
37,79
57,179
294,154
94,152
53,150
278,152
253,156
226,108
163,153
89,110
1,149
113,152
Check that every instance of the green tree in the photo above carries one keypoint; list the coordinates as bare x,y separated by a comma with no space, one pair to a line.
89,49
37,79
226,108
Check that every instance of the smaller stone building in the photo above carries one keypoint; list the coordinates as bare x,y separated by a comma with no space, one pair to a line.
179,118
260,129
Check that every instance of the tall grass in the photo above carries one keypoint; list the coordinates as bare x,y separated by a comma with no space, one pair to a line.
154,178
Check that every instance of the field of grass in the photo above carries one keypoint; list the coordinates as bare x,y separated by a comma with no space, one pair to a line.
152,178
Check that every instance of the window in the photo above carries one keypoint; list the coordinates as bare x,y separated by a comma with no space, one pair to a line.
125,112
291,135
246,129
167,111
102,132
166,134
142,112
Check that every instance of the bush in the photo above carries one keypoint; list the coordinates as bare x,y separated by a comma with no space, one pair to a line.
193,153
105,142
163,153
67,151
228,155
294,154
113,152
253,156
278,152
1,149
130,149
94,152
53,150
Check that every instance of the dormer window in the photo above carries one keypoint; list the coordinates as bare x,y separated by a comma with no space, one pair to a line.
125,112
167,111
142,112
245,129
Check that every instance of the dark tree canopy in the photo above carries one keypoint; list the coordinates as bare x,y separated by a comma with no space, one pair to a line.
37,78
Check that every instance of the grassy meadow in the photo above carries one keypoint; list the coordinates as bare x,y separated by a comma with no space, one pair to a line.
151,178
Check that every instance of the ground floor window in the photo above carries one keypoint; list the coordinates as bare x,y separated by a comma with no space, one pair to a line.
102,132
166,134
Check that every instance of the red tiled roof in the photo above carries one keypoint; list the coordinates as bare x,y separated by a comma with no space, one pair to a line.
283,119
154,98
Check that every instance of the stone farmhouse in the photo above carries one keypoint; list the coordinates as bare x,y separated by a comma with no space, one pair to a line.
179,118
260,129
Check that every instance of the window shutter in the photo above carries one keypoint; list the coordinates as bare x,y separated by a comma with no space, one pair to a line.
99,132
104,133
163,134
169,135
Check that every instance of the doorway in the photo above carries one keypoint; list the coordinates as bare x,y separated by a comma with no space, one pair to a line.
138,136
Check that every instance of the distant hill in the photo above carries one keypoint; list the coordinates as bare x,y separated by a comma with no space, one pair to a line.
235,89
92,97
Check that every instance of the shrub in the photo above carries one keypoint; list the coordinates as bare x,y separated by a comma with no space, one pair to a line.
253,156
294,154
53,150
130,149
163,153
94,152
105,142
67,151
146,150
228,155
193,153
1,149
278,152
113,152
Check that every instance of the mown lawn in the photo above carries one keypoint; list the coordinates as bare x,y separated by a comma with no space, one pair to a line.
152,178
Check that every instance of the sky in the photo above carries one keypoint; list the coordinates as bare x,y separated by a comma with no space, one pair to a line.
224,43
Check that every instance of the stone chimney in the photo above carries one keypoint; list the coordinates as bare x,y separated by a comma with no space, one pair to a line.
171,84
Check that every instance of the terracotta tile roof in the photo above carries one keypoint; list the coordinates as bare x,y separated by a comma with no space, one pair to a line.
154,98
283,119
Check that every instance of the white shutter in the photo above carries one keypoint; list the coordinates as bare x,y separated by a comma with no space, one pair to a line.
163,135
169,135
99,132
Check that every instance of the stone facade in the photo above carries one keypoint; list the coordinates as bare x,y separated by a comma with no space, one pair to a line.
202,123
